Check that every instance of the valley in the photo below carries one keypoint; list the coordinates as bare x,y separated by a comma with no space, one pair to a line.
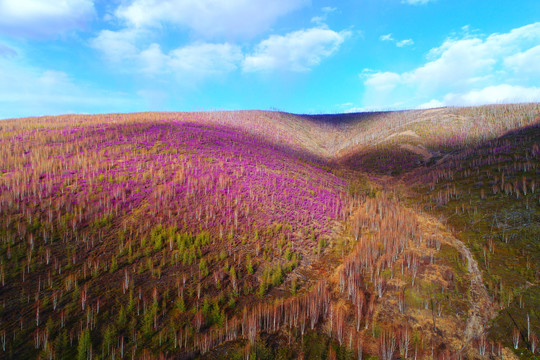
268,235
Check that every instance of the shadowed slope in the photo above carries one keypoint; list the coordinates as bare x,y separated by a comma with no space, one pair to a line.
488,193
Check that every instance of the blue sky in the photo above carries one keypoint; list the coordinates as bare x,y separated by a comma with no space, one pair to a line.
94,56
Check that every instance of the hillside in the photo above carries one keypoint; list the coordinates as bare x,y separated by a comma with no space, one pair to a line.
271,235
488,194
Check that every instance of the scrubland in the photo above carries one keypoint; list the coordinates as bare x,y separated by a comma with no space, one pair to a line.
255,234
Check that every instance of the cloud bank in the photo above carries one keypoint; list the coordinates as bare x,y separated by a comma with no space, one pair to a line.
134,46
470,70
296,51
228,19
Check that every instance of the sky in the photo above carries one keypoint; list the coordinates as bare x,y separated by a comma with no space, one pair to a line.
301,56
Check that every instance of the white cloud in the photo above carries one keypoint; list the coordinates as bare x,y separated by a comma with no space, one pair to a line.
383,81
406,42
399,43
43,18
152,60
321,20
209,18
459,64
117,45
469,69
498,94
137,48
204,59
431,104
296,51
192,62
527,62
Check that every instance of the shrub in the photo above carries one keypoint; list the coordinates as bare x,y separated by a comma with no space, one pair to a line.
84,346
249,265
203,268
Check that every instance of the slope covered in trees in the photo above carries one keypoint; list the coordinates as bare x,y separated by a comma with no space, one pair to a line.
270,235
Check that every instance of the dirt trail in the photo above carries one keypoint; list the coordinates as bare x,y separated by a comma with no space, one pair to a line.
481,305
481,302
481,308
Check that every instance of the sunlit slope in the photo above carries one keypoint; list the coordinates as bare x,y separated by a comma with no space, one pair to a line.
348,138
295,133
146,228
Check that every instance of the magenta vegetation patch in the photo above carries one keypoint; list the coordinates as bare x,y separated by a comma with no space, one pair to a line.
133,176
135,219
